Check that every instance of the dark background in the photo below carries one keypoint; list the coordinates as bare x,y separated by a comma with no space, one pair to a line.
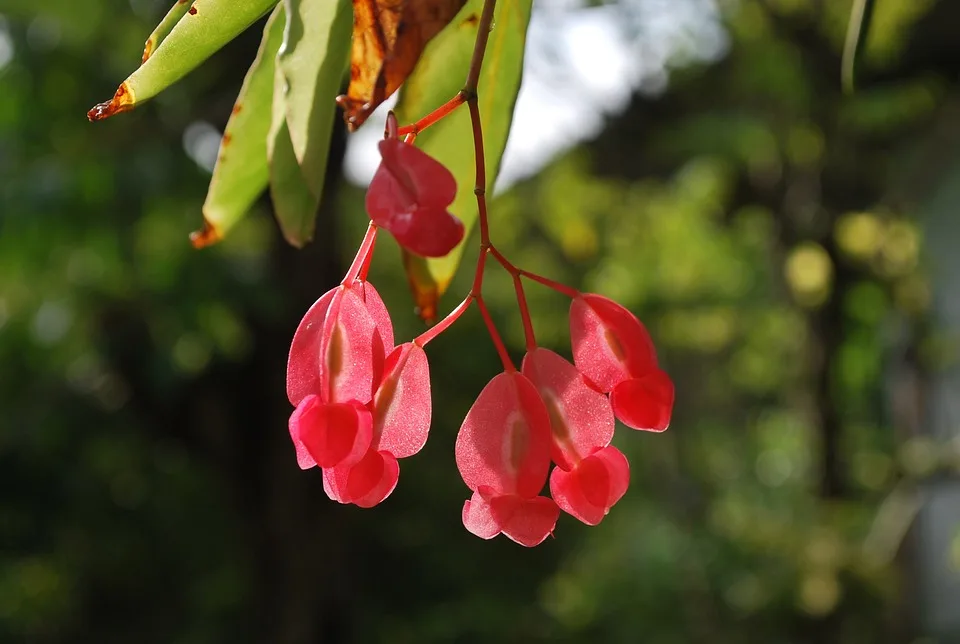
790,248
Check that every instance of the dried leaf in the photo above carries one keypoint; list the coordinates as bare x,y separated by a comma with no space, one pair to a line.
388,38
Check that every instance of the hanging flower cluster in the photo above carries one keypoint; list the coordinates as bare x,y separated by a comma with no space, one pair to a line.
363,403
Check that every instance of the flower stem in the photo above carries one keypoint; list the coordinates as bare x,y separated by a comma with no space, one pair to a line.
434,116
358,268
549,283
441,326
495,336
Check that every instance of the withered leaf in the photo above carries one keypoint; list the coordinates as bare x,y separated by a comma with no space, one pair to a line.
388,38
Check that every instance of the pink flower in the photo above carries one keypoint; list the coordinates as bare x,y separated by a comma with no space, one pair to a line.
503,454
409,196
591,476
613,350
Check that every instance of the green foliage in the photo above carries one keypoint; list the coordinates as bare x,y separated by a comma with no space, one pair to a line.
242,172
309,69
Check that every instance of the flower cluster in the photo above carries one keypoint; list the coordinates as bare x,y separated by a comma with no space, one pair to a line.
363,403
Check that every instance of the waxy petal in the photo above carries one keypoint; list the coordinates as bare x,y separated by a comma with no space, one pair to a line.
589,491
524,521
365,484
427,180
409,195
303,363
401,405
381,316
610,344
478,517
504,442
646,402
347,350
581,418
427,231
332,433
304,460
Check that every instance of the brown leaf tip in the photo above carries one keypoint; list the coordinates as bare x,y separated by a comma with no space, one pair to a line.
206,236
121,102
355,112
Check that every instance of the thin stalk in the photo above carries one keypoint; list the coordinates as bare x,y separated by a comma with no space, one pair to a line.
362,261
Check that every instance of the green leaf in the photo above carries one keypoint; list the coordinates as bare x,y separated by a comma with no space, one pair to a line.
241,173
436,79
857,29
309,72
313,60
177,11
206,27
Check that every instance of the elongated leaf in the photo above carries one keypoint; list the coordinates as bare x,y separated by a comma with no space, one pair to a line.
177,11
206,27
433,82
313,60
309,69
857,29
241,172
294,205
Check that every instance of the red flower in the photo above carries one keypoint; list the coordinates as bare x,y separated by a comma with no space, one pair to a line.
409,196
612,348
503,454
591,476
361,403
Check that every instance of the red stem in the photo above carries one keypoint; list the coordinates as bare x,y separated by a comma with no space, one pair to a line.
495,336
434,116
362,261
441,326
549,283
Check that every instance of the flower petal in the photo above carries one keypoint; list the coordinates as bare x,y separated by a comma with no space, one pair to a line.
426,179
303,363
589,491
646,402
504,441
401,405
478,517
373,479
526,521
304,460
347,350
378,311
428,231
581,418
610,344
332,433
364,484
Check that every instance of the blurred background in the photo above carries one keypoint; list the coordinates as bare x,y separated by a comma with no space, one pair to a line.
791,249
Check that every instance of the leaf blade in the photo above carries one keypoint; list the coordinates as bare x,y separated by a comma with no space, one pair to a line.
241,172
860,16
206,27
313,60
